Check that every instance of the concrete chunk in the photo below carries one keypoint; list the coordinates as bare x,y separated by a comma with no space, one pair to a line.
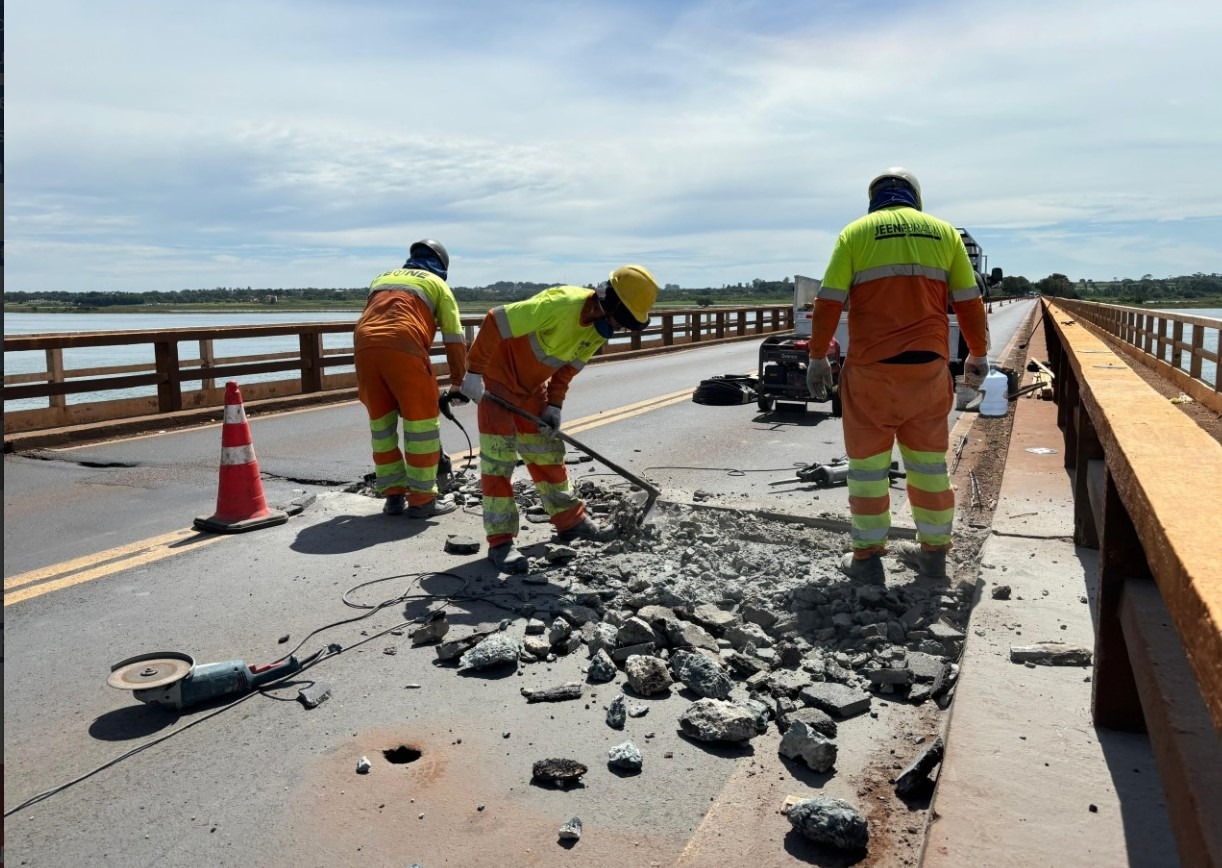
835,699
1051,654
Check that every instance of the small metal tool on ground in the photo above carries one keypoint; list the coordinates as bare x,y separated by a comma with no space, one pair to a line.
652,492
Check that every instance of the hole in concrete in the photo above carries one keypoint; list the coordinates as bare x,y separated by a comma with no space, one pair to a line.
402,754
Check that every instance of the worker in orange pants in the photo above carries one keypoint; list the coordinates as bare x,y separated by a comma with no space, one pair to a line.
898,269
395,379
528,352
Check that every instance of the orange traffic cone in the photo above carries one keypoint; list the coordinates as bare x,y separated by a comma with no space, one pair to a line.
240,504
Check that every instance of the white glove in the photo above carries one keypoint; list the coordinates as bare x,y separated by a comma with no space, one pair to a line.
975,369
818,378
473,386
551,418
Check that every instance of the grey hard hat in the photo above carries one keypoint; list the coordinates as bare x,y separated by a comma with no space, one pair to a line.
435,247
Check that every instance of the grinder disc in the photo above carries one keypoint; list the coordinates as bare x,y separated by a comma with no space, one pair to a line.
145,671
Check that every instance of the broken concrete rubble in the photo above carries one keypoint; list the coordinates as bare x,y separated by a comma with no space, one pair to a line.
825,820
559,693
917,772
718,720
804,743
1051,654
732,609
561,772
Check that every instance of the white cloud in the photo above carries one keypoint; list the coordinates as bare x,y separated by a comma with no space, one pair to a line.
307,144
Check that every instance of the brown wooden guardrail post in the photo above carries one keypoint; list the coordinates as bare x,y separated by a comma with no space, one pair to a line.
1115,703
668,329
1198,344
740,316
759,320
311,361
169,376
721,323
1068,411
1088,450
207,358
695,319
55,374
1177,341
635,340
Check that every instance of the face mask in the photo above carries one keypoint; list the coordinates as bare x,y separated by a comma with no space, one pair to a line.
603,326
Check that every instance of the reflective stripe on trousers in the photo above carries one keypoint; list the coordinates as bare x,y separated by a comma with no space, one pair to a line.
909,404
503,437
393,384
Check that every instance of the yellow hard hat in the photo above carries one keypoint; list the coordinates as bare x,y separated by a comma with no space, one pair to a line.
637,289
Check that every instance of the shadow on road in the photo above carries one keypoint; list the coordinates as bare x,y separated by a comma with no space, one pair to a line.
132,721
776,420
816,854
350,533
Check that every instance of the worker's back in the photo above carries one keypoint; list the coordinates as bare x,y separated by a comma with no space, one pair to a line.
898,266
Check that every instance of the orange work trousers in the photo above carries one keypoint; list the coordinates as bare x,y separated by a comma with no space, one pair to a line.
503,436
395,385
883,404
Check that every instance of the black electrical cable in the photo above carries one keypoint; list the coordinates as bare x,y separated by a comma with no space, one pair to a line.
314,659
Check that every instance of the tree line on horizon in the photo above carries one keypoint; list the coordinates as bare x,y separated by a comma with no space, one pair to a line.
1127,290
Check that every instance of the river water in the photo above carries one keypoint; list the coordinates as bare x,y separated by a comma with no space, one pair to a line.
137,354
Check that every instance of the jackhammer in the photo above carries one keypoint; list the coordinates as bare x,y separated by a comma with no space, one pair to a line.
837,473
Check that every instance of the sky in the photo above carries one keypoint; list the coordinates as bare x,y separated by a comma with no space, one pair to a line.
164,146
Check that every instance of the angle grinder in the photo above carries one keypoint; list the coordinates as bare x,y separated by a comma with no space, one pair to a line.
172,679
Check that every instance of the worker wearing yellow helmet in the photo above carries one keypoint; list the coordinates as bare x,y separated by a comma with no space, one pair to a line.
527,353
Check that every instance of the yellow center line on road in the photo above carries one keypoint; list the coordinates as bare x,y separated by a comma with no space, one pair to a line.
35,583
43,581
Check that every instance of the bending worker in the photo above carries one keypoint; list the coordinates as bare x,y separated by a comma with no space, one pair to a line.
395,376
527,353
898,266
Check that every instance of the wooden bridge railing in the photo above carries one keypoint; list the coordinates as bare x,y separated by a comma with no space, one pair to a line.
1147,495
1176,346
186,372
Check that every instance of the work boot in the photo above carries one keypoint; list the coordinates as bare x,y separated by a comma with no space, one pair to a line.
436,506
586,529
928,563
507,558
868,571
395,504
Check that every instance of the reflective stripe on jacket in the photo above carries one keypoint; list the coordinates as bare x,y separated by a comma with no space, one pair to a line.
408,305
898,267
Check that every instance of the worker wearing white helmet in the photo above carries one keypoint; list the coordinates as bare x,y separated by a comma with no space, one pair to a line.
900,268
527,353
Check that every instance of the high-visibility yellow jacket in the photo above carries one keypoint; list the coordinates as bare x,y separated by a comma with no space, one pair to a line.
403,311
896,268
547,338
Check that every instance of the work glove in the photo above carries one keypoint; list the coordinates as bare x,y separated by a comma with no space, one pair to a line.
551,419
818,378
473,386
975,369
456,395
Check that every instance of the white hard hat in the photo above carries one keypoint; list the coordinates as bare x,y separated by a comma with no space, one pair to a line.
897,173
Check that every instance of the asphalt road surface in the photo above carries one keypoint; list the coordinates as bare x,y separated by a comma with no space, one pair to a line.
100,566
